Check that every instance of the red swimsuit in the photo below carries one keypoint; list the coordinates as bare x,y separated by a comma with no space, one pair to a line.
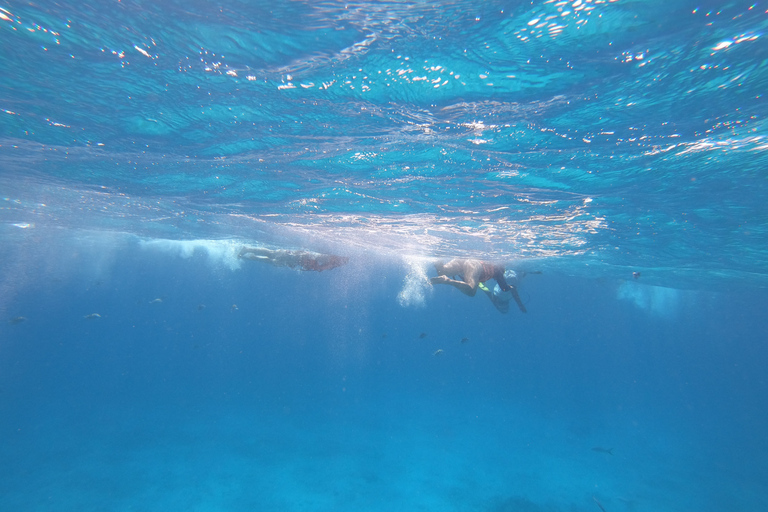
489,271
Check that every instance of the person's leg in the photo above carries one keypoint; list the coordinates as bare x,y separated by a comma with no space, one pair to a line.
254,253
461,285
250,253
261,254
501,305
473,269
453,267
470,270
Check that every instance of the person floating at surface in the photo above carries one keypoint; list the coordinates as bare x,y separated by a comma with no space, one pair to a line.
302,260
473,273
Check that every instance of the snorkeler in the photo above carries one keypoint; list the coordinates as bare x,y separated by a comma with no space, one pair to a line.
500,298
473,273
302,260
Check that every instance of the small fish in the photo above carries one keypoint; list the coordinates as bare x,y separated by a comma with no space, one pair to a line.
92,315
156,301
234,307
599,449
464,340
635,274
422,335
438,352
200,307
17,320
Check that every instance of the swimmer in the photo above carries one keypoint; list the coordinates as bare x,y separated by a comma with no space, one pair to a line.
302,260
473,273
500,298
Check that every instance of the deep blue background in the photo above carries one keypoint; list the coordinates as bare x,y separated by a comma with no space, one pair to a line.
585,139
583,368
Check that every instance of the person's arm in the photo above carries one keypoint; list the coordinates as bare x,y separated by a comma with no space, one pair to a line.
517,299
499,277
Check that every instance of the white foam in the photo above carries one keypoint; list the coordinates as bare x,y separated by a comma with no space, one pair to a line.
658,300
219,252
416,284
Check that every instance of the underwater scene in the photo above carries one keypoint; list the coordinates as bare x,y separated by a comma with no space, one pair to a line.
399,255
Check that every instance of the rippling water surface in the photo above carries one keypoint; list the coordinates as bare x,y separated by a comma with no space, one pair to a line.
625,134
616,151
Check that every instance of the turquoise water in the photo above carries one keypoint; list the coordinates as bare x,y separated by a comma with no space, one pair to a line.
143,366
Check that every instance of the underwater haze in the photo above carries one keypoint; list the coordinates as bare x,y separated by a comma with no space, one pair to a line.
614,153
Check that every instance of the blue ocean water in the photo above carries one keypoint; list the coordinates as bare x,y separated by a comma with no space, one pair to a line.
613,152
